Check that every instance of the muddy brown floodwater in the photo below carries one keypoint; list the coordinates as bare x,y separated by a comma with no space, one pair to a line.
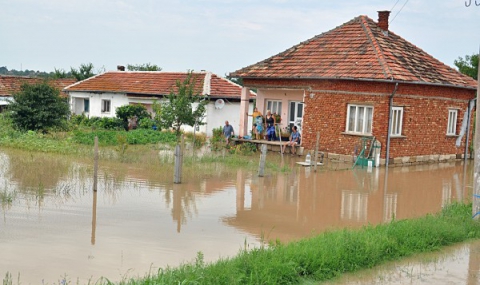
53,226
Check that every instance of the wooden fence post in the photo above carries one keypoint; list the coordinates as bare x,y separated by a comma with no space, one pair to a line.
177,177
95,164
316,151
263,157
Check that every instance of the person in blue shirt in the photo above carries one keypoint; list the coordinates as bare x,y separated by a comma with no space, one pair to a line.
294,140
228,132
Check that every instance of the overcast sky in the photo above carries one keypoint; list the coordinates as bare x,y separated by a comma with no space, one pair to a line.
216,35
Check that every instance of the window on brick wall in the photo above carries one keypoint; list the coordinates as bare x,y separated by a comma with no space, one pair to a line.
359,119
452,122
105,106
397,119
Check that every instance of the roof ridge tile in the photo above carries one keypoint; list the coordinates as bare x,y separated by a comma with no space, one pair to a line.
378,50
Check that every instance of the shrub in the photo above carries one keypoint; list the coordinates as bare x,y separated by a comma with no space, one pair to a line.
146,123
38,107
217,141
130,111
96,122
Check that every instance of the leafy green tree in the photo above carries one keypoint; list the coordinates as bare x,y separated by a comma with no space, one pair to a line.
468,65
130,111
38,107
143,67
85,71
59,73
179,109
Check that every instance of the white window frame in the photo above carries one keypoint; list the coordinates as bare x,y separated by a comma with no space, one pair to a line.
362,118
452,122
106,105
275,106
397,121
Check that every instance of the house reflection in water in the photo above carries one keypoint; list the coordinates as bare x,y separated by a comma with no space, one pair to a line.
292,206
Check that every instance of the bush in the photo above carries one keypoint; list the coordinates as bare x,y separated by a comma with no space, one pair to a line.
38,107
217,141
130,111
146,123
246,148
96,122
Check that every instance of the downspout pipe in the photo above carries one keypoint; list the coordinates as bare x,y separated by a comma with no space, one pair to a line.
469,111
387,157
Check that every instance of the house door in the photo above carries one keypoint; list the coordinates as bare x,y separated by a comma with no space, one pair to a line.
295,112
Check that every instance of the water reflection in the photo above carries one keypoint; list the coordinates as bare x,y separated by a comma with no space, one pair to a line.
139,219
294,205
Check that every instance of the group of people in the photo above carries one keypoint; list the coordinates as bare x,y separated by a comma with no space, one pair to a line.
260,124
268,124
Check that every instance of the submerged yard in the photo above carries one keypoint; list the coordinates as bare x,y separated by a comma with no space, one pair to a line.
55,229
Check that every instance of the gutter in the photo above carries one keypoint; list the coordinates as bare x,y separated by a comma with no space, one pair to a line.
387,156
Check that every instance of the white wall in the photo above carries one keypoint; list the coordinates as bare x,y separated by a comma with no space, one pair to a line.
116,100
4,100
214,118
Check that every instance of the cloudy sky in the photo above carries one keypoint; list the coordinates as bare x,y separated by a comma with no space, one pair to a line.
216,35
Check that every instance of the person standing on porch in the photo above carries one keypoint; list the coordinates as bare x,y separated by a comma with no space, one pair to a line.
294,140
270,126
257,128
228,132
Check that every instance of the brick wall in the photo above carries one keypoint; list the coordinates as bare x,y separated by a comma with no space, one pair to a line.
425,114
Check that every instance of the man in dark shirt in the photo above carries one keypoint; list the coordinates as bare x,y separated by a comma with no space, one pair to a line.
228,132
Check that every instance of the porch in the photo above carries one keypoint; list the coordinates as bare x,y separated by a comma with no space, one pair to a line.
271,145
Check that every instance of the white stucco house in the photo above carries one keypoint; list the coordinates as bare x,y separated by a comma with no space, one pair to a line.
101,95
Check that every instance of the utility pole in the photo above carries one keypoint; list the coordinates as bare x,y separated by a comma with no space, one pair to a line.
476,174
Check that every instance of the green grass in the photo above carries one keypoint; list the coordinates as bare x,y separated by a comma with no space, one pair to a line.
327,255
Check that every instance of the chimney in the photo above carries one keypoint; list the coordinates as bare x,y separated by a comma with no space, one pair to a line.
120,68
383,20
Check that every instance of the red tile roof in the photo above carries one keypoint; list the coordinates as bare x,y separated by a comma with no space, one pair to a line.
157,83
11,84
358,49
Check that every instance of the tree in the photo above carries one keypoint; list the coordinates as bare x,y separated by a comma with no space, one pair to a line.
59,73
38,107
85,71
237,80
130,111
179,109
468,66
143,67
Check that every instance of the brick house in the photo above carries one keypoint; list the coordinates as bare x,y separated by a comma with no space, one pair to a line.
10,84
101,95
360,80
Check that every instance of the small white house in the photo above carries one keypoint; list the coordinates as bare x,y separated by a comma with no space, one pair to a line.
101,95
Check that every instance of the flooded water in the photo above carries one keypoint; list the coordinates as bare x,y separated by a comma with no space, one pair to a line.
54,226
459,264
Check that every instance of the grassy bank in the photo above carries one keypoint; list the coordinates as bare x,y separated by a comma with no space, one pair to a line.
327,255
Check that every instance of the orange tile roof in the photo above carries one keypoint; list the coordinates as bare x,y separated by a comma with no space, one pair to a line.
157,83
11,84
358,49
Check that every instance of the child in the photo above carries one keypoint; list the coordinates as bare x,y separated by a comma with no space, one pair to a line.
258,131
